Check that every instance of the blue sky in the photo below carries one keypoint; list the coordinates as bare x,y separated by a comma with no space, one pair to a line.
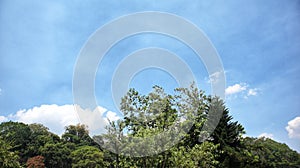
258,42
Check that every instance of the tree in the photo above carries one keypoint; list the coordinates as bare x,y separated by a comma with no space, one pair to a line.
25,139
153,111
79,135
265,152
87,157
148,115
57,154
227,133
18,135
40,136
192,105
201,155
36,162
8,159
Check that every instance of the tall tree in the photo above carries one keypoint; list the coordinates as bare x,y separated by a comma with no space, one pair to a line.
227,132
151,114
192,107
147,116
78,134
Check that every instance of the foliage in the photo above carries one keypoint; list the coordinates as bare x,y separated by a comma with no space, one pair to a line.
201,155
18,136
78,134
202,126
87,157
25,139
39,136
265,152
57,154
8,159
227,132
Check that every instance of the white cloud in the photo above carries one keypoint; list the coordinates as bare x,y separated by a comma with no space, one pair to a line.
52,116
235,89
266,135
293,128
56,118
241,89
3,119
112,116
214,78
252,92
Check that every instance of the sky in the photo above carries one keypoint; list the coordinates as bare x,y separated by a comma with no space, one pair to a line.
257,41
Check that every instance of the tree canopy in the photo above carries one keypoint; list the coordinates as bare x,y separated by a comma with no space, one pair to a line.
146,116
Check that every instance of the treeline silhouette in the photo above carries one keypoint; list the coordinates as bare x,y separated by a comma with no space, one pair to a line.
204,144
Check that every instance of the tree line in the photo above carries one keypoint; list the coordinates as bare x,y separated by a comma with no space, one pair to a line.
34,146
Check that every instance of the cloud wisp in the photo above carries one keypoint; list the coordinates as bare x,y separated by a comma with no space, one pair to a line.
266,135
252,92
236,88
3,119
241,88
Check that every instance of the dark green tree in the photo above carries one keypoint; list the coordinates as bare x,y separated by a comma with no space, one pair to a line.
206,133
58,154
8,159
265,152
227,134
18,135
87,157
40,135
79,135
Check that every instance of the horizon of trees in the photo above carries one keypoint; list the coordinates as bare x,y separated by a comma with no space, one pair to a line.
34,146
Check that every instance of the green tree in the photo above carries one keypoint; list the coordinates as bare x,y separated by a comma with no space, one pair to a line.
227,133
58,154
18,136
8,159
201,155
87,157
265,152
189,109
151,114
146,116
113,138
79,135
40,136
192,105
153,111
